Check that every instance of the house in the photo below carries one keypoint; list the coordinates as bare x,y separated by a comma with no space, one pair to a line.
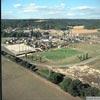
27,31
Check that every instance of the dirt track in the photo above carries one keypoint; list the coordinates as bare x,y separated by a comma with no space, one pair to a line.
21,84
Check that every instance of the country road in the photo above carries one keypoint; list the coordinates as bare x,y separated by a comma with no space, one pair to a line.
19,83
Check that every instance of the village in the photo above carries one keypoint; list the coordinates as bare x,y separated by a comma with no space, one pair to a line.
53,38
69,52
50,50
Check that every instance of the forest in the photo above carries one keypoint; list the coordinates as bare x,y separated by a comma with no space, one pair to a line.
49,23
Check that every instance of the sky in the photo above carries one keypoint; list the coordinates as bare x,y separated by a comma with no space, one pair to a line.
50,9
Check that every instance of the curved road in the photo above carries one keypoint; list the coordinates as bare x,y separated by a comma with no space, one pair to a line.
19,83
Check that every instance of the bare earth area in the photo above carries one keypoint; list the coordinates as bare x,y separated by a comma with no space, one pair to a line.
19,83
84,73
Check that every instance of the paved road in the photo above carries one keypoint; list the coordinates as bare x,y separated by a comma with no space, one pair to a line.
19,83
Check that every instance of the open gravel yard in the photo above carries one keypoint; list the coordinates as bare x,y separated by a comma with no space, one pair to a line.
19,83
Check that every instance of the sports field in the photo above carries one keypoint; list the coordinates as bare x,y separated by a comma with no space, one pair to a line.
69,55
61,56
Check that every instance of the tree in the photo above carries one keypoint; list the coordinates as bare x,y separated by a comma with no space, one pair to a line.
83,56
92,91
74,88
65,84
56,77
87,56
82,89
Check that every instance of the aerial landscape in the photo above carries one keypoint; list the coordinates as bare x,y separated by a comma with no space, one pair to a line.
50,50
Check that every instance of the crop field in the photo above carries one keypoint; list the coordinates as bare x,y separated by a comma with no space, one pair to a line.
84,31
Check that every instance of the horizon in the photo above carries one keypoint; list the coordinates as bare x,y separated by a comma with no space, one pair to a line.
51,19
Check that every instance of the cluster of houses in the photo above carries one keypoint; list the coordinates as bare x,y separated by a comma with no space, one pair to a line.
48,39
45,43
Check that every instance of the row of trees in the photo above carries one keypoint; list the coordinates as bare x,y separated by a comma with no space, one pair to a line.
83,56
74,87
55,77
14,34
20,34
20,61
77,88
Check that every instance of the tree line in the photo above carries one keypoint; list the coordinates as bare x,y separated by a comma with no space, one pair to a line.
49,23
20,34
73,86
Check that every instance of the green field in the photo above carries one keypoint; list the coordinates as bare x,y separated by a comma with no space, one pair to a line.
92,49
64,56
57,56
95,64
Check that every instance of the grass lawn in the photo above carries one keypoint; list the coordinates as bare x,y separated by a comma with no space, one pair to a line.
95,64
43,72
64,56
60,54
92,49
57,56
